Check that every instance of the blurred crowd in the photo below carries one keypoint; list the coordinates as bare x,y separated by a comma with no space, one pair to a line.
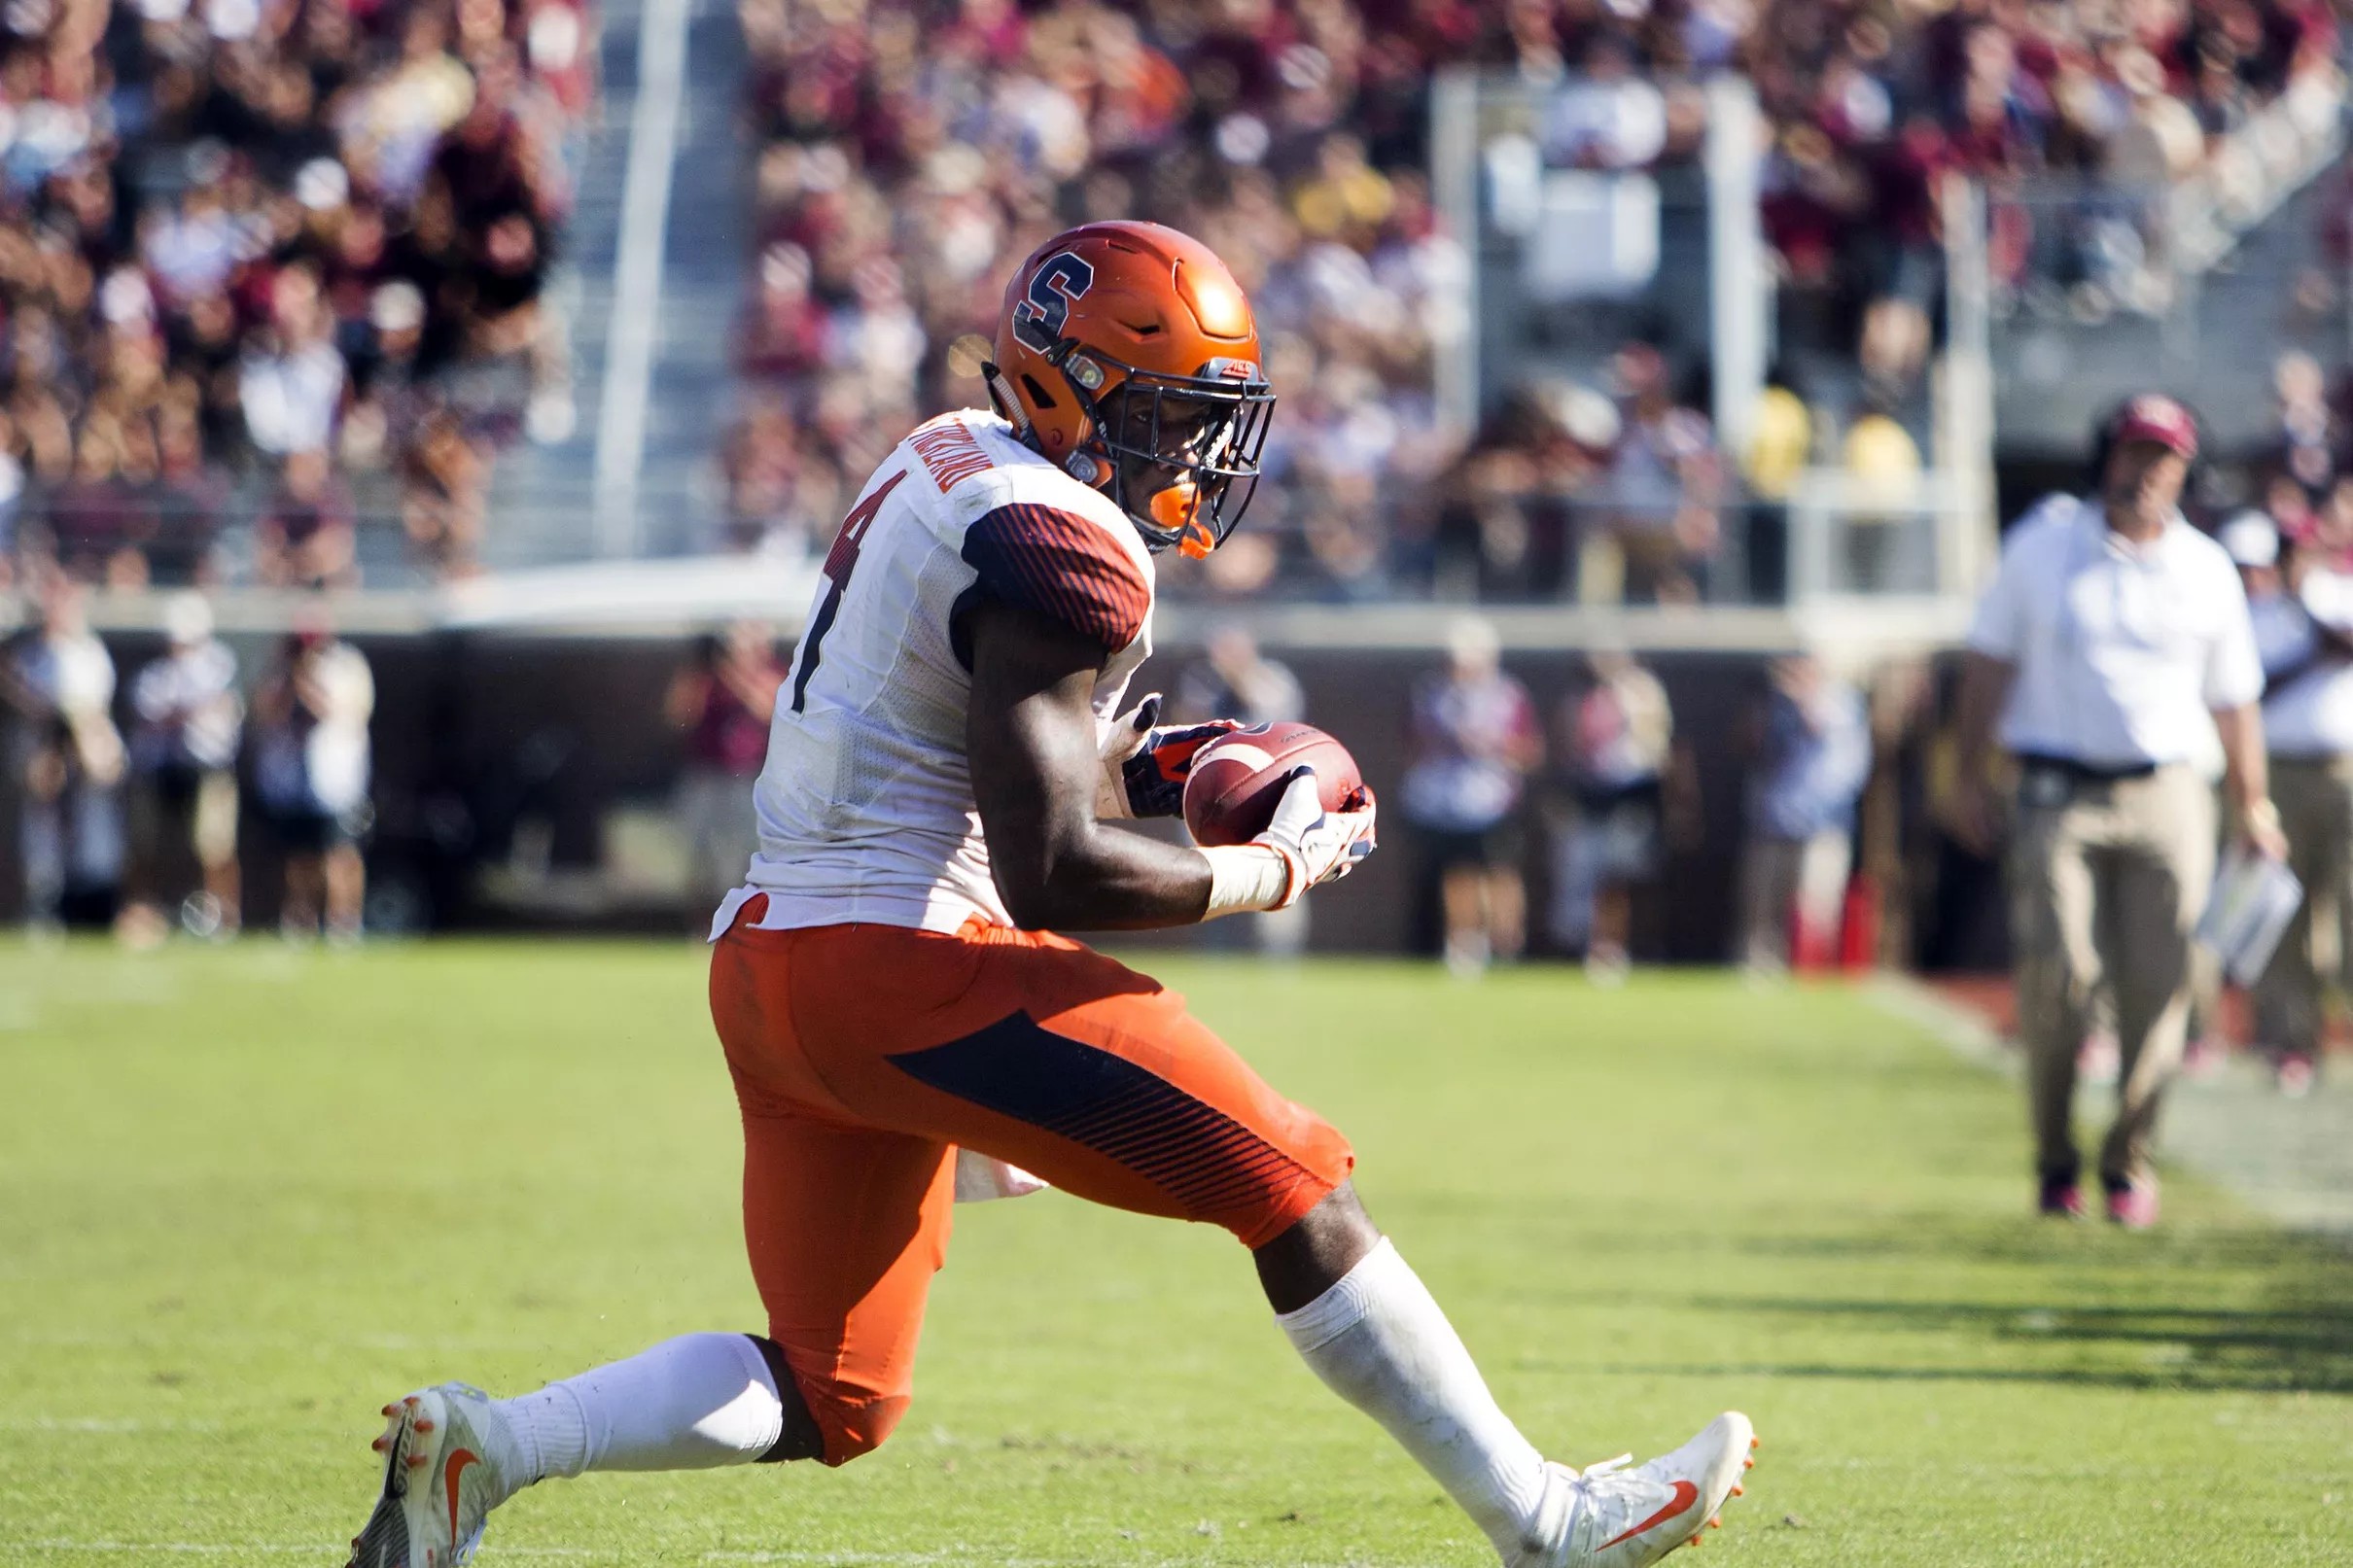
1871,107
907,156
270,265
2301,478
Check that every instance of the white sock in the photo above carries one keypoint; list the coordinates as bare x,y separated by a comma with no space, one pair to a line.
1382,1343
693,1403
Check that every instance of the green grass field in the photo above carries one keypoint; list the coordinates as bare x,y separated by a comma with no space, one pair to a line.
245,1195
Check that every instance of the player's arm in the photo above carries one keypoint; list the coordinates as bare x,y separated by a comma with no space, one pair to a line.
1032,748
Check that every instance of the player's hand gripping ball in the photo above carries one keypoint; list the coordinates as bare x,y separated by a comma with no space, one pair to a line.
1236,781
1145,763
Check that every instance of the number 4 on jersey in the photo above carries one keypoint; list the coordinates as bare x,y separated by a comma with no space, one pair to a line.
840,560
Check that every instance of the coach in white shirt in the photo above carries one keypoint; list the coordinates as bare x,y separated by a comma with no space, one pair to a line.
2114,647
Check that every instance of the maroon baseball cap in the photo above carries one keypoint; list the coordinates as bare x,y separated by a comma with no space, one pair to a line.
2155,417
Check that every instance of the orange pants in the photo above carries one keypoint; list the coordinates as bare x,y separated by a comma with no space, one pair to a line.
865,1056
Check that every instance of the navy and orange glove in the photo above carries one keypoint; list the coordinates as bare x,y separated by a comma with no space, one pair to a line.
1144,766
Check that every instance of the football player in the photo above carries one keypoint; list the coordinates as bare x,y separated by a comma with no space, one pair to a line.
945,756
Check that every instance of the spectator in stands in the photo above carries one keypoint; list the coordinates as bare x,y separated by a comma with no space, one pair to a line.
783,330
723,699
1615,779
1879,455
312,767
2303,617
1611,117
290,380
391,125
198,204
444,495
190,500
1474,740
1291,137
390,397
1507,515
1664,482
1887,549
1779,452
306,536
779,494
66,756
188,719
1813,756
2309,439
501,188
96,527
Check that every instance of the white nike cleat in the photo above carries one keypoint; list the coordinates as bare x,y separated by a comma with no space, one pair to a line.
448,1460
1621,1517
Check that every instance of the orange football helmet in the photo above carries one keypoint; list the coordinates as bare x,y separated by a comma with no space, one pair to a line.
1127,354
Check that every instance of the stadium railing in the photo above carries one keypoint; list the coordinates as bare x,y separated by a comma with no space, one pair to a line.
2102,286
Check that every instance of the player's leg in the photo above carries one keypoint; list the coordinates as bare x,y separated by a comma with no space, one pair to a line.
846,1226
452,1452
846,1229
1096,1079
1366,1325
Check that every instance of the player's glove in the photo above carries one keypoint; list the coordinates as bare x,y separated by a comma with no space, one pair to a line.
1144,766
1304,846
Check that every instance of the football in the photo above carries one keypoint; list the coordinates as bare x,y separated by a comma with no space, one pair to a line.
1237,780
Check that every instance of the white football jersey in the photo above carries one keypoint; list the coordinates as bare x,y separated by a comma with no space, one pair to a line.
865,804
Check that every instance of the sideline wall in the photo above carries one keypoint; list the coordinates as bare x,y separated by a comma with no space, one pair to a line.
472,730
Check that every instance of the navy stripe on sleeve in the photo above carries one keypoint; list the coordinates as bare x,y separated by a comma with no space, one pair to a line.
1061,566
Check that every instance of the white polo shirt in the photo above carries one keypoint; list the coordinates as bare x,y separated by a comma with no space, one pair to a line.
2309,714
2121,651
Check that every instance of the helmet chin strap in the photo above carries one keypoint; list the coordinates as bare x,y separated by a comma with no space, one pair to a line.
1084,466
1000,393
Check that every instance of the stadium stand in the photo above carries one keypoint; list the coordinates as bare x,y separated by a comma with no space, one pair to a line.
273,269
906,155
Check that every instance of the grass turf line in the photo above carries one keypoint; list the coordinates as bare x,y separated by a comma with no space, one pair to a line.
246,1196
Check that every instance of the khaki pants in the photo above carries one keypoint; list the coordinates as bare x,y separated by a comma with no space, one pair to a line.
2315,800
2106,880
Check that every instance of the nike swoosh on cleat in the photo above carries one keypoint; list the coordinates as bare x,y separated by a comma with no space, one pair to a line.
455,1466
1685,1496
